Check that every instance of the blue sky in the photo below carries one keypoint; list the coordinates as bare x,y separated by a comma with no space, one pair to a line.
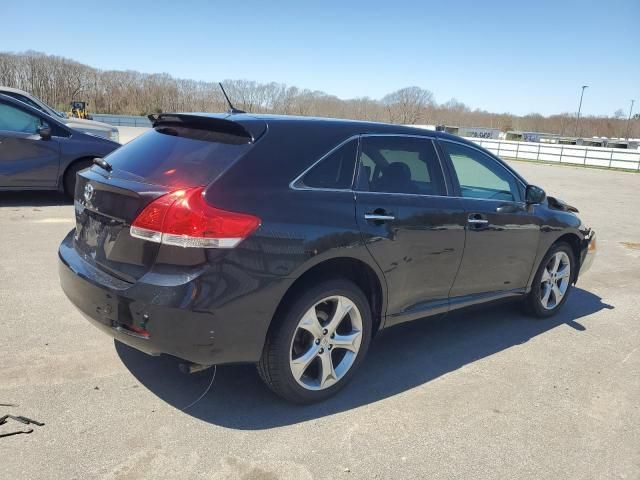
502,56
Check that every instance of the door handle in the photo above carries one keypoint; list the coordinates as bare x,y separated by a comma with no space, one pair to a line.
477,219
379,217
509,208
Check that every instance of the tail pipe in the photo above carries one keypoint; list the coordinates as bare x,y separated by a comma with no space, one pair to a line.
190,367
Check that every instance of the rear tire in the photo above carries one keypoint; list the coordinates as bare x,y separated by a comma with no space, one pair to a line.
552,283
69,180
317,343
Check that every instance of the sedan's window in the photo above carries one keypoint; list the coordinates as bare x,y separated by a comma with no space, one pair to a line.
334,171
397,164
479,175
15,120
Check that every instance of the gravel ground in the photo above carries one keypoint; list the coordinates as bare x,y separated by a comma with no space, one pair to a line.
478,394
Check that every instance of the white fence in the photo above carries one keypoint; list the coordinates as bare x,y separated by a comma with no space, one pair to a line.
570,154
122,120
541,152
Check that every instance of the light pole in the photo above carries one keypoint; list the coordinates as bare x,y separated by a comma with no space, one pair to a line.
580,108
629,119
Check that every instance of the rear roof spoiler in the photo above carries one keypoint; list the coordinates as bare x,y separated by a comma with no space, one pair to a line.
249,130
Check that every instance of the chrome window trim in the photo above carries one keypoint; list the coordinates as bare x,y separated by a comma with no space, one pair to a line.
440,196
424,195
493,200
293,185
433,139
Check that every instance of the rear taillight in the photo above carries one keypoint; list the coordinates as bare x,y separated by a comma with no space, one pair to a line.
184,219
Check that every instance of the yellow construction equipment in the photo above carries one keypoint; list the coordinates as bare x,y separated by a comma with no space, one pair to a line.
79,110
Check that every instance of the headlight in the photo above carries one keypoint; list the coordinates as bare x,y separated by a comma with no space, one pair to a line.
115,135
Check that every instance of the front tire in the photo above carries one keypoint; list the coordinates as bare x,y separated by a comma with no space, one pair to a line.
317,343
552,283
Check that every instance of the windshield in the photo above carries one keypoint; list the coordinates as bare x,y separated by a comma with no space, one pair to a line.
38,106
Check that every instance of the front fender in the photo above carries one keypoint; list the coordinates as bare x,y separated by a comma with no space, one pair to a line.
557,226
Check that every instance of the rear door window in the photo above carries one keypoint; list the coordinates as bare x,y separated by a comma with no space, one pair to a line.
335,171
177,156
400,164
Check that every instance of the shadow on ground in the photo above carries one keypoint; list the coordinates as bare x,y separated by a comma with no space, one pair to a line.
33,199
400,358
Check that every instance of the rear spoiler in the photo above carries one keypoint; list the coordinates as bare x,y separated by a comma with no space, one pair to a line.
245,132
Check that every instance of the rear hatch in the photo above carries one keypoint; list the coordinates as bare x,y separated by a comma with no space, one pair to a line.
180,151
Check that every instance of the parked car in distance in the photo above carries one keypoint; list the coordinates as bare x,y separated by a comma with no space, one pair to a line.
91,127
290,242
38,152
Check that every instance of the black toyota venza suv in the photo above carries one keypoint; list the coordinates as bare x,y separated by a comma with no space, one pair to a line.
289,242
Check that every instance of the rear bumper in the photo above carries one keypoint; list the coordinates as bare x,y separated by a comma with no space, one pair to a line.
192,320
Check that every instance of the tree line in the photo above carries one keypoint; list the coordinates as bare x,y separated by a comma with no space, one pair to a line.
58,81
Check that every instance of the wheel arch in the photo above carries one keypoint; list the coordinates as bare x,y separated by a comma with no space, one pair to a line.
574,241
350,268
69,165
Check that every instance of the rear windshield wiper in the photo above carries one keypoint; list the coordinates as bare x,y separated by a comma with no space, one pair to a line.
102,163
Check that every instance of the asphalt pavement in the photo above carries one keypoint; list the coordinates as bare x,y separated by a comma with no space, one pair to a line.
480,394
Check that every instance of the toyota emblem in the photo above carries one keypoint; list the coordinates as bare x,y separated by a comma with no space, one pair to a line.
88,192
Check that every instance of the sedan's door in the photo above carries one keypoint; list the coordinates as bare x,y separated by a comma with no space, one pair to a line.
413,230
502,232
26,159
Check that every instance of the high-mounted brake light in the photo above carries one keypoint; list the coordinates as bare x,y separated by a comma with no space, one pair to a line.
184,219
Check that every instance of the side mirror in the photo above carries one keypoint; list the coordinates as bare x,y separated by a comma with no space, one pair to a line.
45,132
534,195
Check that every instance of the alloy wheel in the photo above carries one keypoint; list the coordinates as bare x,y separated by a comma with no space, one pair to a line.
555,280
326,343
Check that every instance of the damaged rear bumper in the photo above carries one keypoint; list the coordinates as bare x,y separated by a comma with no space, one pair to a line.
165,315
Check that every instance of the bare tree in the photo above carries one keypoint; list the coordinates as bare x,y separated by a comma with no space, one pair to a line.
58,81
408,105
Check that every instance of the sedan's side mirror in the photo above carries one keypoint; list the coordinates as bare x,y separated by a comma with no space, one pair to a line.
45,132
534,194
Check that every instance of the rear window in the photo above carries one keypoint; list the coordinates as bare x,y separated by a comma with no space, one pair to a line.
178,156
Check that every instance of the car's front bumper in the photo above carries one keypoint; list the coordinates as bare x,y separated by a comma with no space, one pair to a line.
164,317
589,250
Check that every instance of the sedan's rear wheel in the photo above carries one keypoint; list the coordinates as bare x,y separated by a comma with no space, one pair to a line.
552,282
318,344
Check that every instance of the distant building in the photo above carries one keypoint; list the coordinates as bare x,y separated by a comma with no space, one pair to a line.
536,137
619,143
592,142
471,132
519,136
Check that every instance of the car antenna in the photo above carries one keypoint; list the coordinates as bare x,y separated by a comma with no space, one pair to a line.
232,109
